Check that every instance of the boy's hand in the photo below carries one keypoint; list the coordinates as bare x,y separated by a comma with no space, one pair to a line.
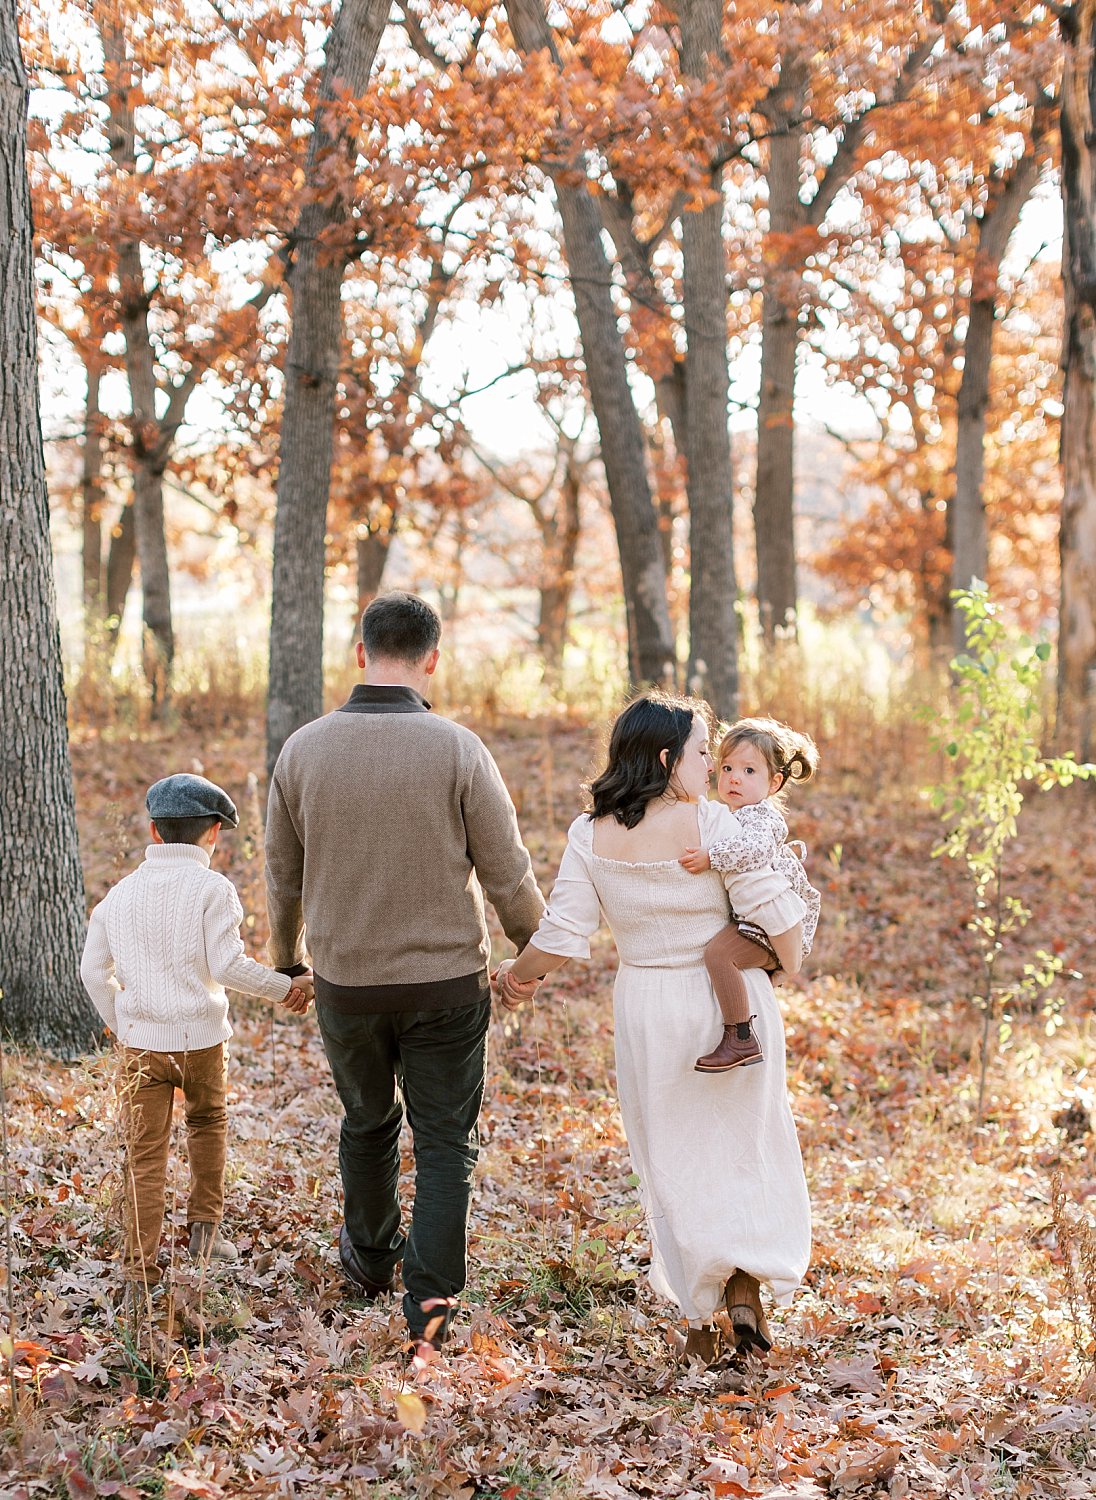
300,997
696,861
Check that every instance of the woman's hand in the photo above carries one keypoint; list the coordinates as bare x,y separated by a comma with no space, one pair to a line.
513,992
696,861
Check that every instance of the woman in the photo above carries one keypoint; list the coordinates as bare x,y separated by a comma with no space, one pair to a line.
717,1156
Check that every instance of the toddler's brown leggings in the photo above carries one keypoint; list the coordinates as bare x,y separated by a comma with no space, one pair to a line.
725,955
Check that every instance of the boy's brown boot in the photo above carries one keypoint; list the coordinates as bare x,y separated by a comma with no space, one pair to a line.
738,1049
208,1243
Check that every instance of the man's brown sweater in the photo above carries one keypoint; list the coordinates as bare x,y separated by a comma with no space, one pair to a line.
381,817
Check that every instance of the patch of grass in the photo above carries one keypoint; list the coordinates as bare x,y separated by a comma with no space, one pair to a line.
103,1461
519,1481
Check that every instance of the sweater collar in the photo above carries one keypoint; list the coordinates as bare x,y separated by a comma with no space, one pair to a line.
368,698
176,854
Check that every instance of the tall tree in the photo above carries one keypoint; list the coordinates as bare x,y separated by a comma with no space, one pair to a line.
151,443
1009,191
818,51
1077,628
319,254
41,884
132,232
623,444
713,623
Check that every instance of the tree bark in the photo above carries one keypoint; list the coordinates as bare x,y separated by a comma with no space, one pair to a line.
1077,622
371,551
41,883
91,507
623,446
560,533
311,378
121,556
969,539
149,453
713,624
774,491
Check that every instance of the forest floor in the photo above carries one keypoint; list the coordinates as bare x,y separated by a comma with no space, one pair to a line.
930,1353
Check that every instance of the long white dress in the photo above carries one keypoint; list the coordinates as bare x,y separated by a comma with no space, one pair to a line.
716,1154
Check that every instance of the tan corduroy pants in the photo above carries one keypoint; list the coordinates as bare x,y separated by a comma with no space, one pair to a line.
150,1081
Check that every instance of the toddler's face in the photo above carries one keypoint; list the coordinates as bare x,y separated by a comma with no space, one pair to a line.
744,777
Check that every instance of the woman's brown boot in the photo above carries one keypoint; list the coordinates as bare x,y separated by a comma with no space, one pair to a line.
703,1344
742,1296
738,1049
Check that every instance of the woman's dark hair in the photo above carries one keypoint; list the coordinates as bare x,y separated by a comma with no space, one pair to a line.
635,774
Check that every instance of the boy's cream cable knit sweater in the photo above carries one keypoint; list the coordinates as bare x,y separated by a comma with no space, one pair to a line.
161,948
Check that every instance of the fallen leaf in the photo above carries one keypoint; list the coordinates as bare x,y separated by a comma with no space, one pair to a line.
880,1466
411,1411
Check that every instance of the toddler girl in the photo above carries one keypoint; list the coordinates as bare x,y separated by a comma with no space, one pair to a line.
757,758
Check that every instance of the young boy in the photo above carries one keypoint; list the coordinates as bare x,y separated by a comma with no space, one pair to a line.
161,947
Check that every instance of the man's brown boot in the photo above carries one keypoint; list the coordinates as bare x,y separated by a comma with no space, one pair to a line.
738,1049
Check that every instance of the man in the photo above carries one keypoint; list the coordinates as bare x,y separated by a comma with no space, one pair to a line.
381,818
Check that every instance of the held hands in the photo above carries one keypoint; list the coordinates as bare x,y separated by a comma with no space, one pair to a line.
513,992
300,997
696,861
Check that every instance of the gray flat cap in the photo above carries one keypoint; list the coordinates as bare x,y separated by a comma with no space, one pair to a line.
186,796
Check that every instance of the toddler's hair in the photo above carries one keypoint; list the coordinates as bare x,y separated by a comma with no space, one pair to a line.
787,753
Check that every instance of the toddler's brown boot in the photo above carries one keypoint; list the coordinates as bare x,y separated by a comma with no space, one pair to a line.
738,1049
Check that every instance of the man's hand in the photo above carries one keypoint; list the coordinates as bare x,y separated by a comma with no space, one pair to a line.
300,997
696,861
513,992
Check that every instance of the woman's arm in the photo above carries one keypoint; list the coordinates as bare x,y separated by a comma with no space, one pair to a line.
573,915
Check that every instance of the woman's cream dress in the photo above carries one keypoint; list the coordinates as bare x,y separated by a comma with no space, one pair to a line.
717,1156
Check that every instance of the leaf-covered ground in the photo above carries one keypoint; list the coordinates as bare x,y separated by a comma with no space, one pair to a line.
931,1352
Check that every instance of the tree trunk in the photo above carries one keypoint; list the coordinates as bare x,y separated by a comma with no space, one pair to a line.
785,111
311,378
121,556
41,884
372,554
933,594
91,507
969,539
148,453
1077,627
560,535
713,624
774,493
623,446
158,635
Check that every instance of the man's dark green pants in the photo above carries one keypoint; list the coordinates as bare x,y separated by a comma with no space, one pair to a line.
433,1063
